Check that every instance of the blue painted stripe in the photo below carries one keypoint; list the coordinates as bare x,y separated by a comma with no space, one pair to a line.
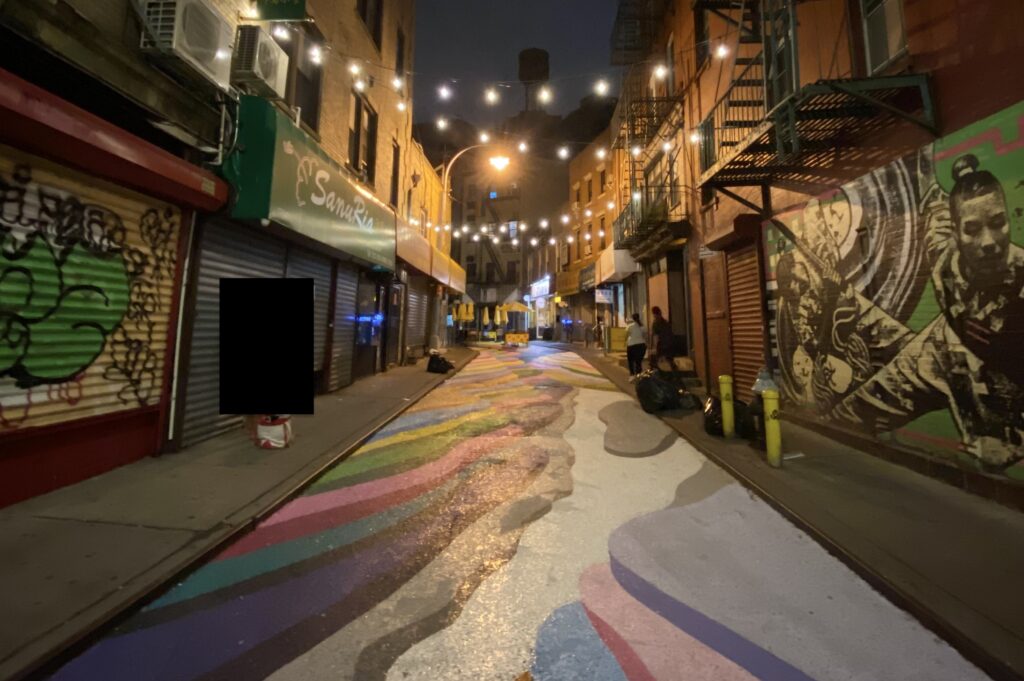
714,635
569,649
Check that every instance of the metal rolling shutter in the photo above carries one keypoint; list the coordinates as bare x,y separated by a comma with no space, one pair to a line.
227,251
344,342
416,316
746,319
303,264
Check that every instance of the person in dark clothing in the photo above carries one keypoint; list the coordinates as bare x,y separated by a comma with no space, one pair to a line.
662,341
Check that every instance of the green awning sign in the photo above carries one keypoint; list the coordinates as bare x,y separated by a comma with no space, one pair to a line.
281,174
282,10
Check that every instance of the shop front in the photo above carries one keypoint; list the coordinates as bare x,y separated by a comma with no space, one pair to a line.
541,308
94,225
296,214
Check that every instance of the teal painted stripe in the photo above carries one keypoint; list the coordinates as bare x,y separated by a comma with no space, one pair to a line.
220,574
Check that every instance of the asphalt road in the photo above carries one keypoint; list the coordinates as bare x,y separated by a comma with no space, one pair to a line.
526,520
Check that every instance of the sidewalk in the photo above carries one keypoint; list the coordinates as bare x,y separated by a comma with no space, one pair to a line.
952,559
76,558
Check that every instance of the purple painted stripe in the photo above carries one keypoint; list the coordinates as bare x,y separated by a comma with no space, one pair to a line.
714,635
203,640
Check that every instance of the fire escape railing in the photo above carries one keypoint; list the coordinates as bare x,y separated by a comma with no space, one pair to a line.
735,116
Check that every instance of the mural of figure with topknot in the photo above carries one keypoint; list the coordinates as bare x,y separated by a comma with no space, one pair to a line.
966,359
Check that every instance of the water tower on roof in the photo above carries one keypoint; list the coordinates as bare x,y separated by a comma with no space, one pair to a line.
534,71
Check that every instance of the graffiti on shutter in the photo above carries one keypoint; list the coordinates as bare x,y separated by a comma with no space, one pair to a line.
86,290
746,319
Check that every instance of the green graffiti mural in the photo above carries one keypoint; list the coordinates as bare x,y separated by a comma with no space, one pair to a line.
73,285
900,304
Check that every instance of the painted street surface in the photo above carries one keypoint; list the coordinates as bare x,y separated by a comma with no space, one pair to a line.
526,520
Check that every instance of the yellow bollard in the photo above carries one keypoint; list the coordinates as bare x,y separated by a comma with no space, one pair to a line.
772,427
728,415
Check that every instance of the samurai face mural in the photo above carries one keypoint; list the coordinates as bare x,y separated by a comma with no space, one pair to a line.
900,299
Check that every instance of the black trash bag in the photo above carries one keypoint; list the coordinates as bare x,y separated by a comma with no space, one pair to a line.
713,416
439,365
655,393
688,400
742,418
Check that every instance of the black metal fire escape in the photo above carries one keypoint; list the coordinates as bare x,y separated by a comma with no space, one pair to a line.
768,128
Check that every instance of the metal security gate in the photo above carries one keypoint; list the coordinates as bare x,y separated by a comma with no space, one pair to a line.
226,252
417,309
746,319
343,344
304,264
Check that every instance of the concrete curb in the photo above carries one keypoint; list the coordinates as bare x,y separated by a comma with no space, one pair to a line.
46,664
968,647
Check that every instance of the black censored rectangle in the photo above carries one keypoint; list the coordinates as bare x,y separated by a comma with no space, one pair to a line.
266,346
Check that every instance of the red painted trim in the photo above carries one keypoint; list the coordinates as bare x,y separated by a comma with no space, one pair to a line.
17,434
37,121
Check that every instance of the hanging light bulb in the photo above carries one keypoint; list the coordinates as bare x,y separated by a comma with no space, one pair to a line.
587,236
695,137
667,146
534,242
601,87
397,83
552,241
600,233
491,96
355,69
476,237
569,239
544,223
544,95
601,153
447,228
502,229
611,205
483,228
589,213
565,219
444,92
316,55
515,242
360,84
494,240
636,196
442,123
661,72
563,153
722,51
637,151
402,106
456,234
465,228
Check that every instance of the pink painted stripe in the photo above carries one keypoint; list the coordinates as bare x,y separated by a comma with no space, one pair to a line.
364,499
665,651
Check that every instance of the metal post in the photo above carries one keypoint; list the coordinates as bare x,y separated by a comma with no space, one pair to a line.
772,427
728,414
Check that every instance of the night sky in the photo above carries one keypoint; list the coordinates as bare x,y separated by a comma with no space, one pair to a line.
477,42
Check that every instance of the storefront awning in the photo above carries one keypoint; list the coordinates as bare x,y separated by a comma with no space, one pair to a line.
281,174
615,265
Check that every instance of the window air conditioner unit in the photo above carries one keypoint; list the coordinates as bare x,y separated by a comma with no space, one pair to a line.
192,37
259,63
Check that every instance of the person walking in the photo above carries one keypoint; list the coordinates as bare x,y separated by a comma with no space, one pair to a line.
636,346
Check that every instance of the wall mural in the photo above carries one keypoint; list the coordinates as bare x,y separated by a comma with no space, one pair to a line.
85,290
900,303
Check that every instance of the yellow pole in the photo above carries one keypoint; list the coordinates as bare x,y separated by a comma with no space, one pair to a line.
728,415
772,427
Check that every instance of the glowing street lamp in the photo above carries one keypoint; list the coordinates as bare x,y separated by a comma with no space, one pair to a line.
444,92
544,95
500,162
491,96
563,153
601,87
442,123
484,138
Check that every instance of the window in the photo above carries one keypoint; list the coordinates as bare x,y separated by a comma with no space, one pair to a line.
371,13
400,54
489,267
396,157
590,189
604,235
703,35
579,244
362,139
408,204
884,34
304,73
670,62
604,180
577,195
470,267
588,244
513,272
